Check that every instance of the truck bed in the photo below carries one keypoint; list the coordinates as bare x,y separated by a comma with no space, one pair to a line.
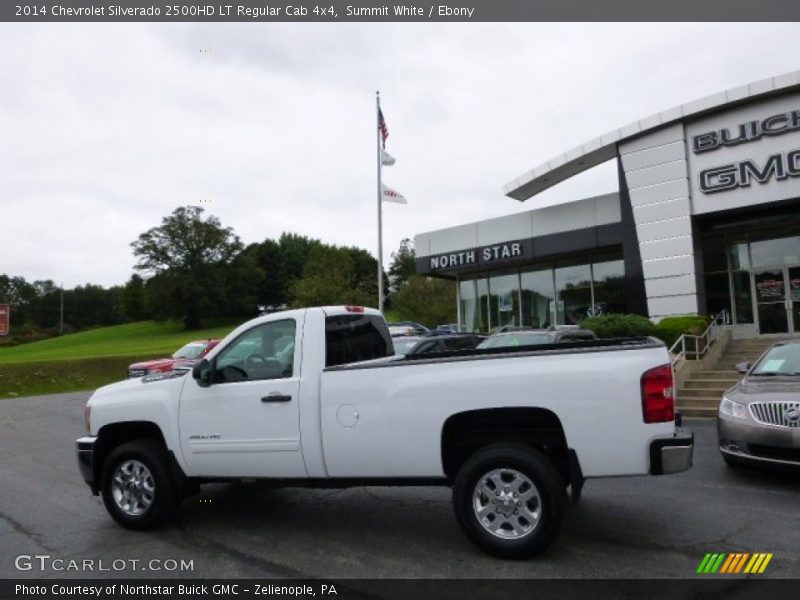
582,347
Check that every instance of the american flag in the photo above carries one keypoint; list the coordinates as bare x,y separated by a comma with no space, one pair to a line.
382,126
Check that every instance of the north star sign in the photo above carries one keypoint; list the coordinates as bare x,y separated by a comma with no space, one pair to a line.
779,166
486,254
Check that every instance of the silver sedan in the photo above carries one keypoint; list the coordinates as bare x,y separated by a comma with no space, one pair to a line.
759,417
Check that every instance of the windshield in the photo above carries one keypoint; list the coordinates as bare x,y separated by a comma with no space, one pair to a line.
190,351
403,346
780,360
516,339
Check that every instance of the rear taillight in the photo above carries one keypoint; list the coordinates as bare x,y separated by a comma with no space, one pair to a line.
354,309
658,395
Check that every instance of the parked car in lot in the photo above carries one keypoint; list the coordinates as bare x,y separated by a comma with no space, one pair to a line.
445,329
182,359
532,337
759,417
403,344
407,328
315,397
446,343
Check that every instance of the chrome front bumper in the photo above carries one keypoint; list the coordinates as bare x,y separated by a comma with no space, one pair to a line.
672,455
85,450
748,440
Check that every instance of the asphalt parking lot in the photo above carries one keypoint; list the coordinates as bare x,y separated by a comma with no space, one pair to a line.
624,527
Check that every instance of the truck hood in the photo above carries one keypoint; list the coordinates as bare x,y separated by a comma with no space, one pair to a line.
130,390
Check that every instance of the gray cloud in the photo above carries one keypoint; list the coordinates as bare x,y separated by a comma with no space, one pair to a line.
107,128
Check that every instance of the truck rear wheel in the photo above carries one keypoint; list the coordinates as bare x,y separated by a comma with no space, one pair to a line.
510,500
137,488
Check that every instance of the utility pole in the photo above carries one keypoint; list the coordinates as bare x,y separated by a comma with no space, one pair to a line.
380,202
61,319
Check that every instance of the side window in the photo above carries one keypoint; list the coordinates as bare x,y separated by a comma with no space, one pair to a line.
427,347
353,338
464,343
264,352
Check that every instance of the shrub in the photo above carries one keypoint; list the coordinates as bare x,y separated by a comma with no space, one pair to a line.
618,325
669,329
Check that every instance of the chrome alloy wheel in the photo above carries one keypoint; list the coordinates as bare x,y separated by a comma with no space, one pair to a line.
133,488
507,504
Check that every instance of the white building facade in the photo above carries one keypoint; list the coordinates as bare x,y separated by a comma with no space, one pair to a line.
706,221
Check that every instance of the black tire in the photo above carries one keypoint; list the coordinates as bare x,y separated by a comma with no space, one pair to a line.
164,499
540,471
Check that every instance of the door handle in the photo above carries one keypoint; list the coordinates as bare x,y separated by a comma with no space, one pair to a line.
277,397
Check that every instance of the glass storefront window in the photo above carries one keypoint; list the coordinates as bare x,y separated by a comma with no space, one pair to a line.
573,293
473,296
482,322
542,296
740,256
718,295
609,287
742,297
714,255
504,300
468,304
779,252
537,297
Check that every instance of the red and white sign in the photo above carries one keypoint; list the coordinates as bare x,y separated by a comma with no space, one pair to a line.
5,318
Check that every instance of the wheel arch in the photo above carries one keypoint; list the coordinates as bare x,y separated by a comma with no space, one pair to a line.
466,432
113,435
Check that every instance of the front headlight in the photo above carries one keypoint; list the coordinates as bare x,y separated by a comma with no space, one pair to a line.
732,409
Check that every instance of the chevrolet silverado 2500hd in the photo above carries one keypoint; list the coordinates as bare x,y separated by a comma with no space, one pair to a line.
315,397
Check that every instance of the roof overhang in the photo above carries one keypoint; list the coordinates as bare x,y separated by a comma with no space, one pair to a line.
604,148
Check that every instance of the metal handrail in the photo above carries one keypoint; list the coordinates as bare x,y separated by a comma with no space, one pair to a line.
707,339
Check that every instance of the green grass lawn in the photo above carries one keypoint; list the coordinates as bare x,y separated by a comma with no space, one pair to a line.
146,338
90,359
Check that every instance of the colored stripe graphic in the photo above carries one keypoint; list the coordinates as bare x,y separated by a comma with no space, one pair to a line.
733,563
703,563
717,564
741,562
727,564
765,563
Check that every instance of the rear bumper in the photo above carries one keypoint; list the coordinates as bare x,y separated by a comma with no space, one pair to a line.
85,449
672,455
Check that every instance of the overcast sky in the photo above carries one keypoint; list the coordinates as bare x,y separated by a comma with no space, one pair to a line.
106,128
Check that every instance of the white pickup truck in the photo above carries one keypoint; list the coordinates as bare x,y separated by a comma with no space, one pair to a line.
315,397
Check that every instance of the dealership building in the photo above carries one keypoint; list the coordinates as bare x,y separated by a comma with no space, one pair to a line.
706,220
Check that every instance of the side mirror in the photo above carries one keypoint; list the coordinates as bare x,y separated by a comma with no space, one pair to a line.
743,367
202,372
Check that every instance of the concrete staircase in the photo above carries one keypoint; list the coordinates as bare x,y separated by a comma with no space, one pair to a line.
700,394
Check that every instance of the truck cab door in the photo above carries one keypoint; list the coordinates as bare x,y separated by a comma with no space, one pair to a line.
246,422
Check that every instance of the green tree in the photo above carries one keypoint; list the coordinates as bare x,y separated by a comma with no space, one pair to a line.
22,297
329,277
91,305
133,299
427,300
403,265
186,257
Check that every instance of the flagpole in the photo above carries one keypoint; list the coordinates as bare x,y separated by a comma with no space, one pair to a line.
380,200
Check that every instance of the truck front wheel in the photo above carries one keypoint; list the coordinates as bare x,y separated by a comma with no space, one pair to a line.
509,500
137,489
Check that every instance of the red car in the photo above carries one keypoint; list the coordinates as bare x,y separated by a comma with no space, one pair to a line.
183,358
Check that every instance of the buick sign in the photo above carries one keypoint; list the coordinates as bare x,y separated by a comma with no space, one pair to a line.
747,132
